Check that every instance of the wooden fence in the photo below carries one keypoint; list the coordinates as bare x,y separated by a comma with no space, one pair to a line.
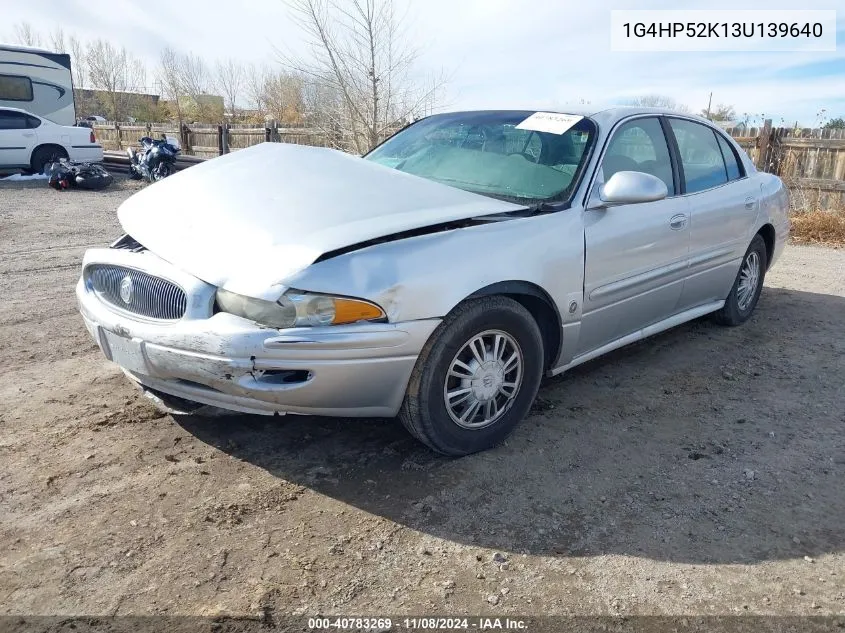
206,140
810,161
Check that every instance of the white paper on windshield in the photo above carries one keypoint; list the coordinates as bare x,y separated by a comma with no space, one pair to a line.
551,122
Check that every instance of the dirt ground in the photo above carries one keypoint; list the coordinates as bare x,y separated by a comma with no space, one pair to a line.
698,472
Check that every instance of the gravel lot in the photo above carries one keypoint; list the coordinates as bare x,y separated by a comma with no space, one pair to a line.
698,472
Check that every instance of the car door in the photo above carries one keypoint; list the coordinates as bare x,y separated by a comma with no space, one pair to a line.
723,204
17,138
636,254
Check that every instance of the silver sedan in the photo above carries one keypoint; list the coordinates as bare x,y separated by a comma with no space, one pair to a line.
439,277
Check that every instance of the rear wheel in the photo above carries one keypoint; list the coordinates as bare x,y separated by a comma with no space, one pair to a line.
476,377
748,284
43,156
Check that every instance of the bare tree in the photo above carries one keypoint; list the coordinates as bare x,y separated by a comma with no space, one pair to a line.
229,80
279,94
57,40
170,81
185,82
720,112
115,72
359,52
195,83
78,61
254,81
26,35
658,101
194,75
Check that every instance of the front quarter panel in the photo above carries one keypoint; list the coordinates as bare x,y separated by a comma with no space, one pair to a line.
427,276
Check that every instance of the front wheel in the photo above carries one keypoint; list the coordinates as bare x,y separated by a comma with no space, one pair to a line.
162,171
476,377
748,284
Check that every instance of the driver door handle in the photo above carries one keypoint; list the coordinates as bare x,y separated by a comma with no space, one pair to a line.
677,222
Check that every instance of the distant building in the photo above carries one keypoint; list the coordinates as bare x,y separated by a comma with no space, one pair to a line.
144,106
214,102
138,105
205,108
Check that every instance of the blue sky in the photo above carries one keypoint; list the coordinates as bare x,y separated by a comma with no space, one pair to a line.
496,53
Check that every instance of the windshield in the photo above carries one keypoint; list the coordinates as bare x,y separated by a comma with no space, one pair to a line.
498,154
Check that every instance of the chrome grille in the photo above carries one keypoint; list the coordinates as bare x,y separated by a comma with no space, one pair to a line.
150,296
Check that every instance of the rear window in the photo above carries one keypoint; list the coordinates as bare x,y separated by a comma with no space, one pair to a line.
731,160
14,88
17,121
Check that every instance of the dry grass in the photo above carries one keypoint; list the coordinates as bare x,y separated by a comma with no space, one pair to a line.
818,227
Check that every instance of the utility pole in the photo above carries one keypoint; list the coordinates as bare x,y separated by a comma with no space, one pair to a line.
709,102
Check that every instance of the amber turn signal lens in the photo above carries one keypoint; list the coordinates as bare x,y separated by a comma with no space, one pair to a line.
350,311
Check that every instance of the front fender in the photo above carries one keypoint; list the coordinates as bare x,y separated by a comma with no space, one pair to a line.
427,276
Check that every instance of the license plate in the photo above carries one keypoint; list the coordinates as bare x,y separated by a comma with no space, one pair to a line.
126,352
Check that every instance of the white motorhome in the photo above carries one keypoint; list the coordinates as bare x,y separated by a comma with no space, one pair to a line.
38,81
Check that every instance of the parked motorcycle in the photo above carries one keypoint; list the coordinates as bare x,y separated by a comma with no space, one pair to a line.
155,160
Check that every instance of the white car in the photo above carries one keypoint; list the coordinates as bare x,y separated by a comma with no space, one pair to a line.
29,142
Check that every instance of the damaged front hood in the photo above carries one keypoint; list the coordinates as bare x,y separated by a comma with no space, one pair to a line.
248,220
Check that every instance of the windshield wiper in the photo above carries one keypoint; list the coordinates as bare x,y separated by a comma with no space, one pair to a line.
542,207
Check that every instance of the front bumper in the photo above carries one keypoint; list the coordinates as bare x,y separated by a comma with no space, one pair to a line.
228,362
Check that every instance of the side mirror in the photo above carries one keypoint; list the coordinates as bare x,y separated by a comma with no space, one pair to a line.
632,187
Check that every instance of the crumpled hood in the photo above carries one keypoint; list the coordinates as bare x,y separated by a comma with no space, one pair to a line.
250,219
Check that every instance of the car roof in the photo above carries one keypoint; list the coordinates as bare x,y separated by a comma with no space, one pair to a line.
620,112
608,114
20,48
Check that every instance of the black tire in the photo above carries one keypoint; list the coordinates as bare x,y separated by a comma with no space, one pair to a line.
42,156
732,313
424,412
161,172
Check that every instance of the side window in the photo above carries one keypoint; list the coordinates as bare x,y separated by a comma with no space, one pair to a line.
12,120
32,122
14,88
701,157
731,161
640,145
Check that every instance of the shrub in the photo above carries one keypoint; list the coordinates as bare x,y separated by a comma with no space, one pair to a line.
818,227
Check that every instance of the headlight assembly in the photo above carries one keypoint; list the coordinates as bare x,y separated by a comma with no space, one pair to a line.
299,309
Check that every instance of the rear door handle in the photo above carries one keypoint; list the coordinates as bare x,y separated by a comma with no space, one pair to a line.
29,133
749,202
677,222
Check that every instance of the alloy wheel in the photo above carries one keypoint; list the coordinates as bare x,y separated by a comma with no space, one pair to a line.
483,379
749,280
